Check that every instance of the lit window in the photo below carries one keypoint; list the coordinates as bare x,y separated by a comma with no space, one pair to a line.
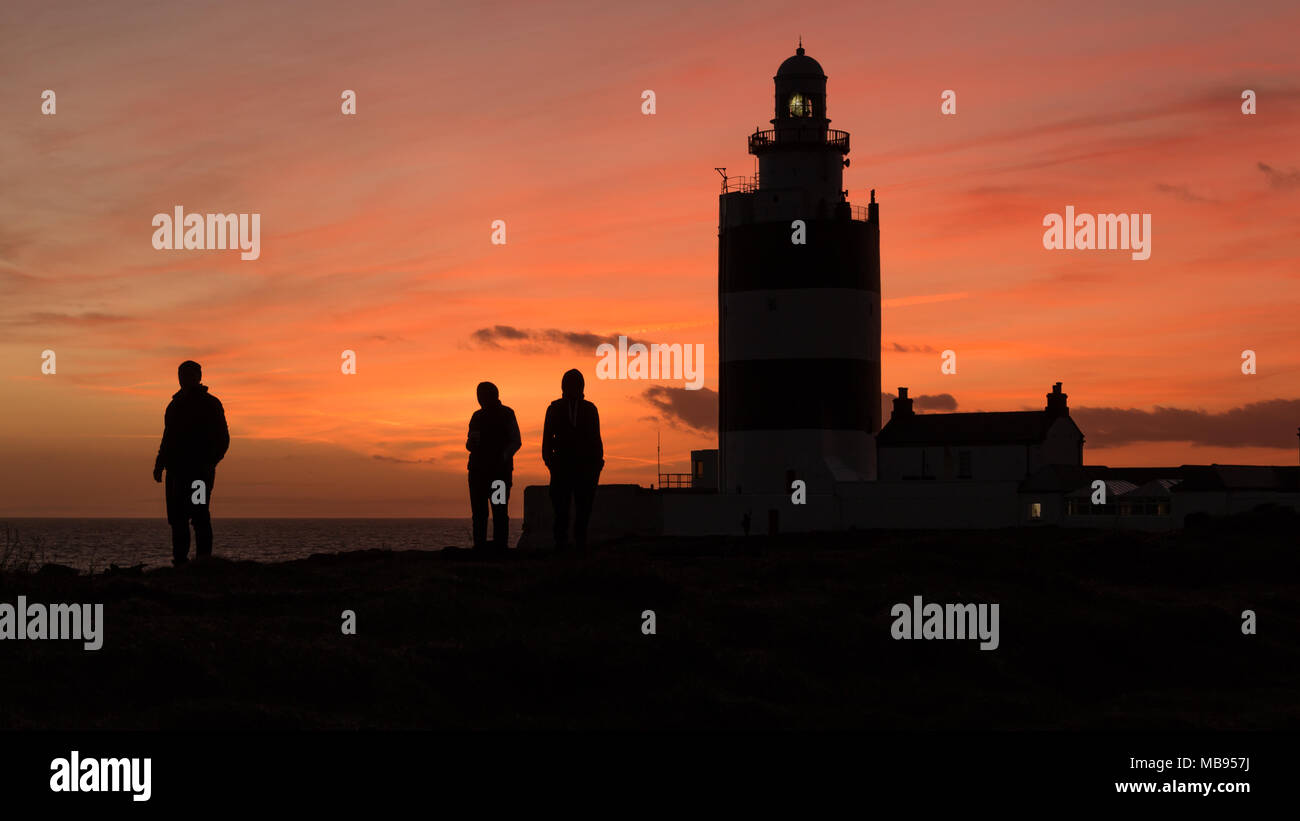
800,106
1036,510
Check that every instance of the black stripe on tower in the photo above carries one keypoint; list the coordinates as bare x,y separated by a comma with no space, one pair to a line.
839,254
792,394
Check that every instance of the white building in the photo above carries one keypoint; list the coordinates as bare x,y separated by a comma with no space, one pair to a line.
976,447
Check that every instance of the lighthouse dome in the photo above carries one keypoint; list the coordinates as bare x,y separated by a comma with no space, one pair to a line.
801,65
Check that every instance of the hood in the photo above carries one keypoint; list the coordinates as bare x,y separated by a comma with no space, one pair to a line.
488,395
572,385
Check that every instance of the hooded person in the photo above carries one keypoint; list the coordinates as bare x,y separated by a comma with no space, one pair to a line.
195,438
492,443
575,455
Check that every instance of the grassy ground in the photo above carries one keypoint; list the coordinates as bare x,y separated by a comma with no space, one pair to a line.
1098,631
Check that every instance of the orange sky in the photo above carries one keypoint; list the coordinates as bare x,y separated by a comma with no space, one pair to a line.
376,228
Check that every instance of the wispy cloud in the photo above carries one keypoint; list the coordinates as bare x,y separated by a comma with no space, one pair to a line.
925,402
382,458
698,410
898,348
923,299
685,408
1281,180
1182,192
1267,424
539,341
46,318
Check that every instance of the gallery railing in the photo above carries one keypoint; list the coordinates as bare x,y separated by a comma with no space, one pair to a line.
771,138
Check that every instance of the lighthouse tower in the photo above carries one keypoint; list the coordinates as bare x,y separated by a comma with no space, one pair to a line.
798,305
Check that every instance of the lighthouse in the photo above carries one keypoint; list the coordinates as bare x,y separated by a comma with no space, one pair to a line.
798,305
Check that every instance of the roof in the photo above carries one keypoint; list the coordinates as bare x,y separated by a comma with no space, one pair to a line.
1114,487
1066,478
993,428
1154,488
800,65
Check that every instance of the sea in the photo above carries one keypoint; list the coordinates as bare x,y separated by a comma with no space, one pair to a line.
92,545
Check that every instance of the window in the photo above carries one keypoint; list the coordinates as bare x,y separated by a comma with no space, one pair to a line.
1146,507
963,464
800,106
1036,510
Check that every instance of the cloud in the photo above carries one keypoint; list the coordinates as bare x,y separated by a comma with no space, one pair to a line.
45,318
995,190
491,337
1267,424
925,402
1281,180
685,408
537,341
897,348
575,339
935,402
699,409
429,461
922,299
1182,192
12,278
13,243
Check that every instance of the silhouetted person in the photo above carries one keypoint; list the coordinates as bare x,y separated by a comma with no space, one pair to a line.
572,450
195,438
492,443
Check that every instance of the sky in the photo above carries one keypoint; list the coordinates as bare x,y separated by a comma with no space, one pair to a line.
376,228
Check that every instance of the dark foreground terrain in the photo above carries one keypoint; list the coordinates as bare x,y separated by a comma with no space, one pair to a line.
1098,631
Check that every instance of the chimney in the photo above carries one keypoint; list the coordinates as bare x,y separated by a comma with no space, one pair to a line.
902,405
1056,402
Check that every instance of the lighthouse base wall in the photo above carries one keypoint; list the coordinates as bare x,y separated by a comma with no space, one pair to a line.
630,513
761,461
